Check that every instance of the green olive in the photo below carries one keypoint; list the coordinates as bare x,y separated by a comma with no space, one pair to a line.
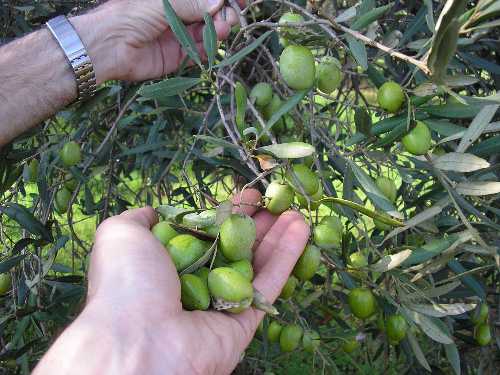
314,199
262,94
280,197
61,201
362,302
5,283
387,187
328,233
328,75
290,337
274,331
229,285
244,267
194,293
237,236
358,260
350,345
71,154
483,334
418,140
30,172
290,32
289,287
202,273
301,178
390,96
186,249
297,67
311,341
396,328
480,314
269,110
70,183
308,263
164,232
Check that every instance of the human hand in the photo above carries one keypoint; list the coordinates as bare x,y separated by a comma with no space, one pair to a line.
131,40
134,322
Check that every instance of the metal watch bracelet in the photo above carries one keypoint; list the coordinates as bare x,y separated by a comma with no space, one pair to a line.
77,55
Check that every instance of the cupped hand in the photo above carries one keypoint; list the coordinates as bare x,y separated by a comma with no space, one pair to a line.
134,296
140,44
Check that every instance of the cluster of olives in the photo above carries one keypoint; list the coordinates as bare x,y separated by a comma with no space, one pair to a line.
291,336
482,333
229,284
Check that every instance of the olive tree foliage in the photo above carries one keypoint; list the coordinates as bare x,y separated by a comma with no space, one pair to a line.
189,140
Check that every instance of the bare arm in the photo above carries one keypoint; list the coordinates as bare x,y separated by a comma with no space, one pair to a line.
125,39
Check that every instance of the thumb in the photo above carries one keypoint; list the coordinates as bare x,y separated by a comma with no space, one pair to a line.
193,10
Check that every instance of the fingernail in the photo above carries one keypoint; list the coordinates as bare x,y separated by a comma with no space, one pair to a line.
224,13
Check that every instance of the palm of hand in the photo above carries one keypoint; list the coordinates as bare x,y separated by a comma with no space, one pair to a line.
136,278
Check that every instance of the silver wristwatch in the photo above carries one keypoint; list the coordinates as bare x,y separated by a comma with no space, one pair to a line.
77,55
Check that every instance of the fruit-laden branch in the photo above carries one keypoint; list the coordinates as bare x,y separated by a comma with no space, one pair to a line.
419,64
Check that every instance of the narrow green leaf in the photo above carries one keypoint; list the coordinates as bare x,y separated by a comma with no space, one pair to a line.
284,109
168,87
292,150
367,18
209,39
477,126
419,354
358,51
429,250
468,280
216,141
8,264
25,218
244,51
240,96
181,33
453,357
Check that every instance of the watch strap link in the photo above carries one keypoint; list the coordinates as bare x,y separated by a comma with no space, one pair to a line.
77,55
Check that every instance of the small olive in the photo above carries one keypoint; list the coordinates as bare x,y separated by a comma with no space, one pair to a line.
328,233
244,267
186,249
290,337
280,197
194,293
302,179
308,263
237,236
311,341
164,232
274,331
229,285
289,287
62,200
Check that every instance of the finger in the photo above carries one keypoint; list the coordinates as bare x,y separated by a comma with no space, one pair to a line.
264,220
145,216
271,242
193,10
227,15
246,201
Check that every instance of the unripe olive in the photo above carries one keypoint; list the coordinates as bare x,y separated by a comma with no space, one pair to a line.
244,267
290,337
483,334
308,263
269,110
358,260
390,96
30,172
362,302
229,285
194,293
311,341
290,32
237,236
350,345
328,233
202,273
480,314
418,140
314,199
274,331
61,201
5,283
396,328
289,287
302,176
262,93
70,183
328,75
297,67
164,232
387,187
280,197
71,154
185,249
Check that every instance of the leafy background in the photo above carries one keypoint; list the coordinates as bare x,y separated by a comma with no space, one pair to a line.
176,142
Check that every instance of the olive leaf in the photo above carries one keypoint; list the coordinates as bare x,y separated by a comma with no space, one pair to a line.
460,162
477,126
367,18
478,188
240,95
430,250
390,262
453,356
181,33
171,212
440,310
168,87
429,327
25,218
8,264
244,51
224,210
445,38
209,39
358,51
292,150
437,291
417,350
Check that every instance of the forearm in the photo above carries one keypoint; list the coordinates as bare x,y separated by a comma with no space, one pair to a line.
36,80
